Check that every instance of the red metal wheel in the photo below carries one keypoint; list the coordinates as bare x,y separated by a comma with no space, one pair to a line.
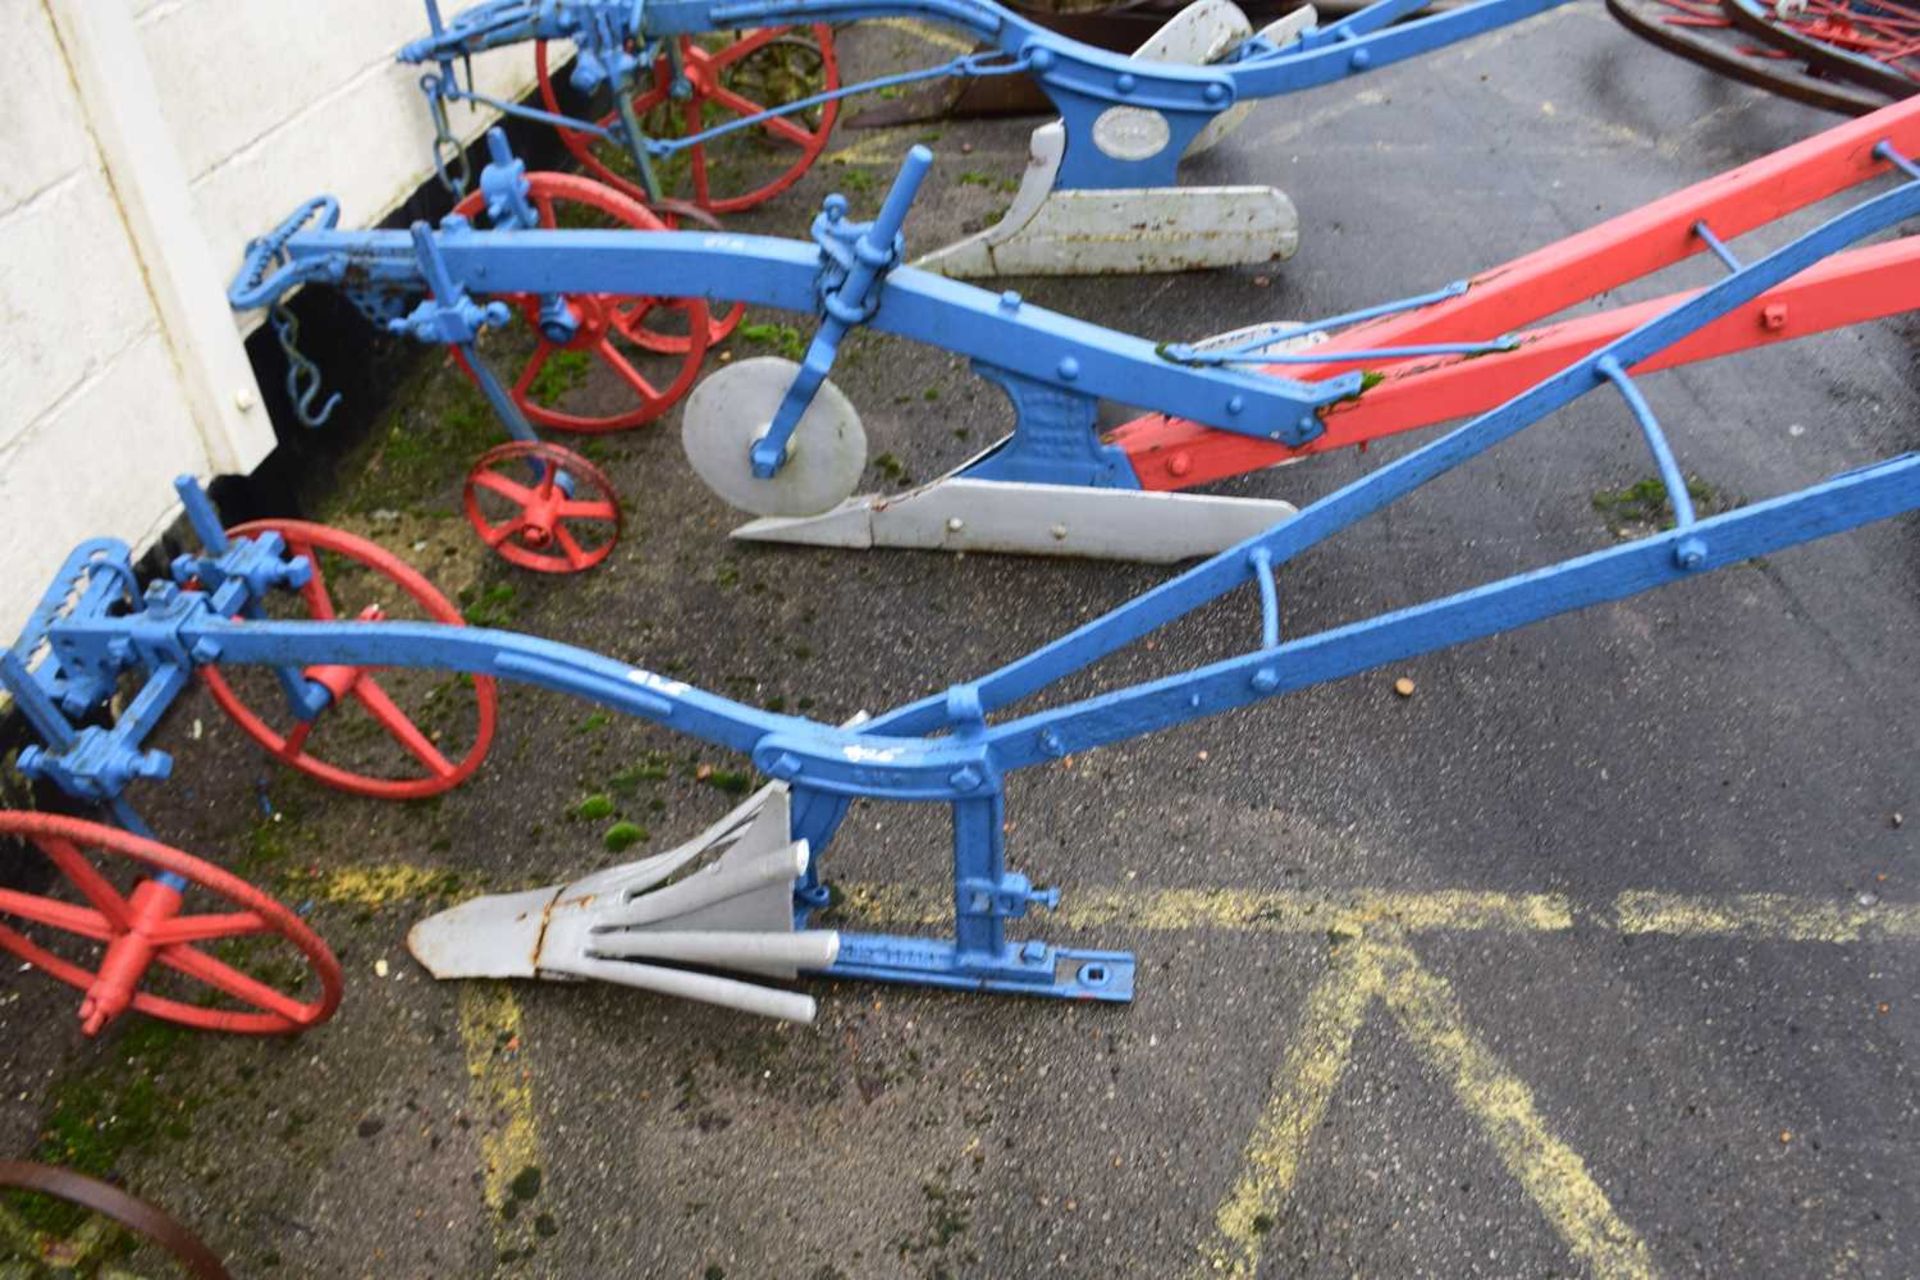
614,331
146,927
525,499
356,685
761,69
1871,43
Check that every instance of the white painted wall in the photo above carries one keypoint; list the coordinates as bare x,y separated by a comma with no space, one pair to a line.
142,143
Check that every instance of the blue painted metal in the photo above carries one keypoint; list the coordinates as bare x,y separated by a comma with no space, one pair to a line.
1052,367
855,259
617,40
947,748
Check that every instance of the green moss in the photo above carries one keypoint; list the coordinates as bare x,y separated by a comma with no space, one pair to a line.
622,836
655,766
563,372
1643,506
734,782
783,338
525,1184
974,178
489,606
97,1119
594,808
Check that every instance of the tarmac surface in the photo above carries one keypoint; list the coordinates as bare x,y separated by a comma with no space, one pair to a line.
1595,956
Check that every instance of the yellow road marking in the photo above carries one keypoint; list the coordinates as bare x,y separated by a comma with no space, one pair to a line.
1316,1059
1552,1173
500,1087
1382,966
378,886
1373,962
1245,910
1775,917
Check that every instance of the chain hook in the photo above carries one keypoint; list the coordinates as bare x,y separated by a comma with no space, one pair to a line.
449,156
303,375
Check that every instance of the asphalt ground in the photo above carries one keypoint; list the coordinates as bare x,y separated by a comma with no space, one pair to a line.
1593,956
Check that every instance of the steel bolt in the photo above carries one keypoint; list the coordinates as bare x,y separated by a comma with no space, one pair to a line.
1266,680
1069,368
205,651
1773,316
965,778
784,765
1179,464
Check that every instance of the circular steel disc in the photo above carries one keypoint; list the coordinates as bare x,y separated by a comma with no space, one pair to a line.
733,407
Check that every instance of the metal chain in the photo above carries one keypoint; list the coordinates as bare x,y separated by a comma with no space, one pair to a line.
303,375
449,156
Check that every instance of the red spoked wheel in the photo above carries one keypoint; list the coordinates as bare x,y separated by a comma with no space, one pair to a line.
543,507
1872,43
392,757
758,70
147,927
616,336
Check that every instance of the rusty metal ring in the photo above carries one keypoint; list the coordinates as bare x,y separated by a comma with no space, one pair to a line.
1647,19
109,1201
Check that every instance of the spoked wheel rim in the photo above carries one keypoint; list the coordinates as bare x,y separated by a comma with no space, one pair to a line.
1698,31
543,507
1875,45
681,328
293,746
108,1201
144,928
784,63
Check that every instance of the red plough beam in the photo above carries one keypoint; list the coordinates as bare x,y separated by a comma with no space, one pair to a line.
1860,285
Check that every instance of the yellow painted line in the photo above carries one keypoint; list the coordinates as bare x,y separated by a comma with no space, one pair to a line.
1382,966
500,1088
379,886
1316,1059
1553,1174
1774,917
1242,909
926,32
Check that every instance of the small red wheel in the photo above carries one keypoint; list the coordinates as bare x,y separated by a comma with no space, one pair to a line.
366,569
615,331
543,507
761,69
147,927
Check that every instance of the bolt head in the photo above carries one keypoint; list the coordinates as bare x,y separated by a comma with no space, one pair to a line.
965,778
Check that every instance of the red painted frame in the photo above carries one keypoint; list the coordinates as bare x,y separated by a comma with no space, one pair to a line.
1863,284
